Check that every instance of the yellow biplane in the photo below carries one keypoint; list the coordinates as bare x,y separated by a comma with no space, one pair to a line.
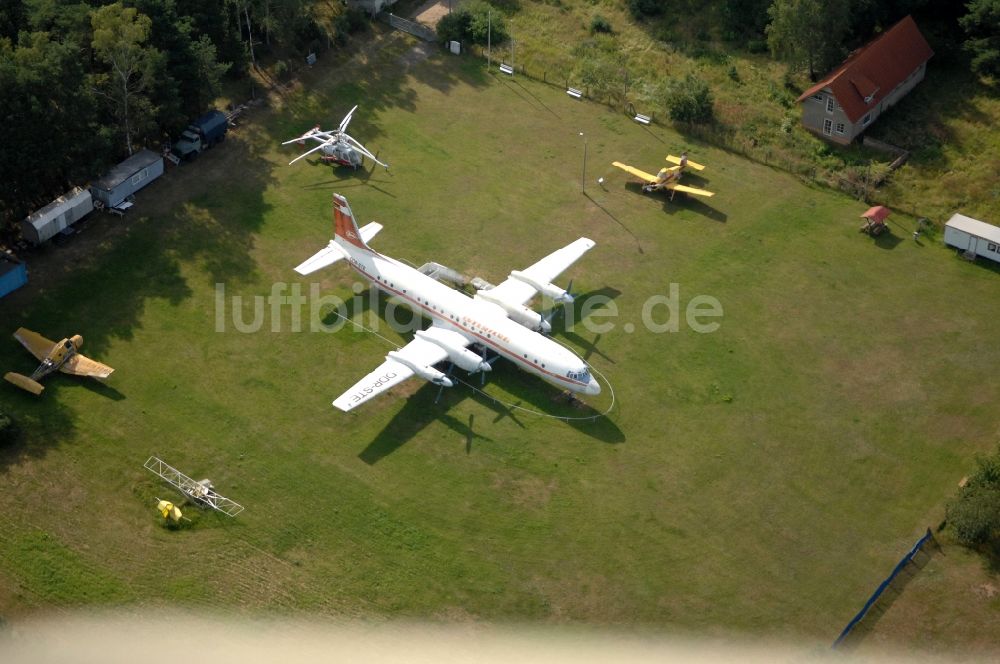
667,178
63,356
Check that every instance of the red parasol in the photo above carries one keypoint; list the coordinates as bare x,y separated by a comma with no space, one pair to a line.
877,213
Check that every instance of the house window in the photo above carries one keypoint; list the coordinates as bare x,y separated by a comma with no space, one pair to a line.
991,246
865,120
840,127
139,177
827,126
830,104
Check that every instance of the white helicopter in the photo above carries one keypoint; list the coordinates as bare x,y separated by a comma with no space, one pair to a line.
337,146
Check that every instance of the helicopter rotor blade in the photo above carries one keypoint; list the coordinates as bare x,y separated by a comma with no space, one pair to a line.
347,118
363,150
309,152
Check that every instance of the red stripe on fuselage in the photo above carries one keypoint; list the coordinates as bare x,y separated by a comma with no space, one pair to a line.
489,342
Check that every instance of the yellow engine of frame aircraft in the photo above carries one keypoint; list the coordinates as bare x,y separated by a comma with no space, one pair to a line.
63,356
667,178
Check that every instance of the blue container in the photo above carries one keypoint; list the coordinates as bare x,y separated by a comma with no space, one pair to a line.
12,276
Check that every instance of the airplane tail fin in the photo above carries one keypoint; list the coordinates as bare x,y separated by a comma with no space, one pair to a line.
346,236
24,382
344,225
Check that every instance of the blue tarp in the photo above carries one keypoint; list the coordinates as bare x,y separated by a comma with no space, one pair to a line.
12,276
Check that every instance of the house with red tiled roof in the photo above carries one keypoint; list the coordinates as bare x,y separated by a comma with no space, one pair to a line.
847,100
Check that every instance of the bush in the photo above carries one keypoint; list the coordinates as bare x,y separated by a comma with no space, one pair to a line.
281,70
689,100
642,8
473,24
600,24
480,30
349,22
454,26
8,429
975,514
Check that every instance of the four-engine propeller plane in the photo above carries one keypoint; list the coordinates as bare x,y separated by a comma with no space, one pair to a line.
337,146
63,356
495,320
667,178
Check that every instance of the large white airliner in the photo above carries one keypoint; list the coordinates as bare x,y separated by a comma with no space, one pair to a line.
496,319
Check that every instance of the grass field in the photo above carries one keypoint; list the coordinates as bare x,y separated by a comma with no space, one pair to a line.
761,479
947,123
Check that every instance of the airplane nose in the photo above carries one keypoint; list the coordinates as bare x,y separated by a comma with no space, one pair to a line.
593,387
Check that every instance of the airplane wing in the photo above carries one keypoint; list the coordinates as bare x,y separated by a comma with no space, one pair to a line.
418,354
677,160
521,288
332,252
78,365
325,257
36,344
635,171
690,190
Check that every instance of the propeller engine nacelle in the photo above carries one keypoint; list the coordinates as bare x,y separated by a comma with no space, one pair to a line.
430,374
461,357
77,341
550,291
518,313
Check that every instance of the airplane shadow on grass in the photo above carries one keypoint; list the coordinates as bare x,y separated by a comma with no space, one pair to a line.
680,201
537,400
527,396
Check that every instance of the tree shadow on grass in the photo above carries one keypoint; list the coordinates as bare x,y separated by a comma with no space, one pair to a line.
40,423
98,284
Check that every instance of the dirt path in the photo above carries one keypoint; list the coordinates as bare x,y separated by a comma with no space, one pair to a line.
431,11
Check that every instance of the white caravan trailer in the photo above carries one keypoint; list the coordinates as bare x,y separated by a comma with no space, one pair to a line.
57,215
973,237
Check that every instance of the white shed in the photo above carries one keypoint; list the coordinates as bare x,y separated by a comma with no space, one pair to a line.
974,237
57,215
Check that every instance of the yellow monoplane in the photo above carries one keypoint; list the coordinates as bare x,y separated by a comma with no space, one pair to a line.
62,356
667,178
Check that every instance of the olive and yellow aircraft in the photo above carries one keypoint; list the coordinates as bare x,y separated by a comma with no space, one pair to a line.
667,178
63,356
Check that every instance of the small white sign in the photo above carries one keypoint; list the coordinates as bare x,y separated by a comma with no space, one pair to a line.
455,47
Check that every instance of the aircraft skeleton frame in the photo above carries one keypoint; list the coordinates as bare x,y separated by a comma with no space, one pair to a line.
201,492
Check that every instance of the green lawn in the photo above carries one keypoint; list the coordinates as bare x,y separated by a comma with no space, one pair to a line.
760,479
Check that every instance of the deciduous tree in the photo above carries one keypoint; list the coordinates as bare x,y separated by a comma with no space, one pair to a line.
808,33
120,35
